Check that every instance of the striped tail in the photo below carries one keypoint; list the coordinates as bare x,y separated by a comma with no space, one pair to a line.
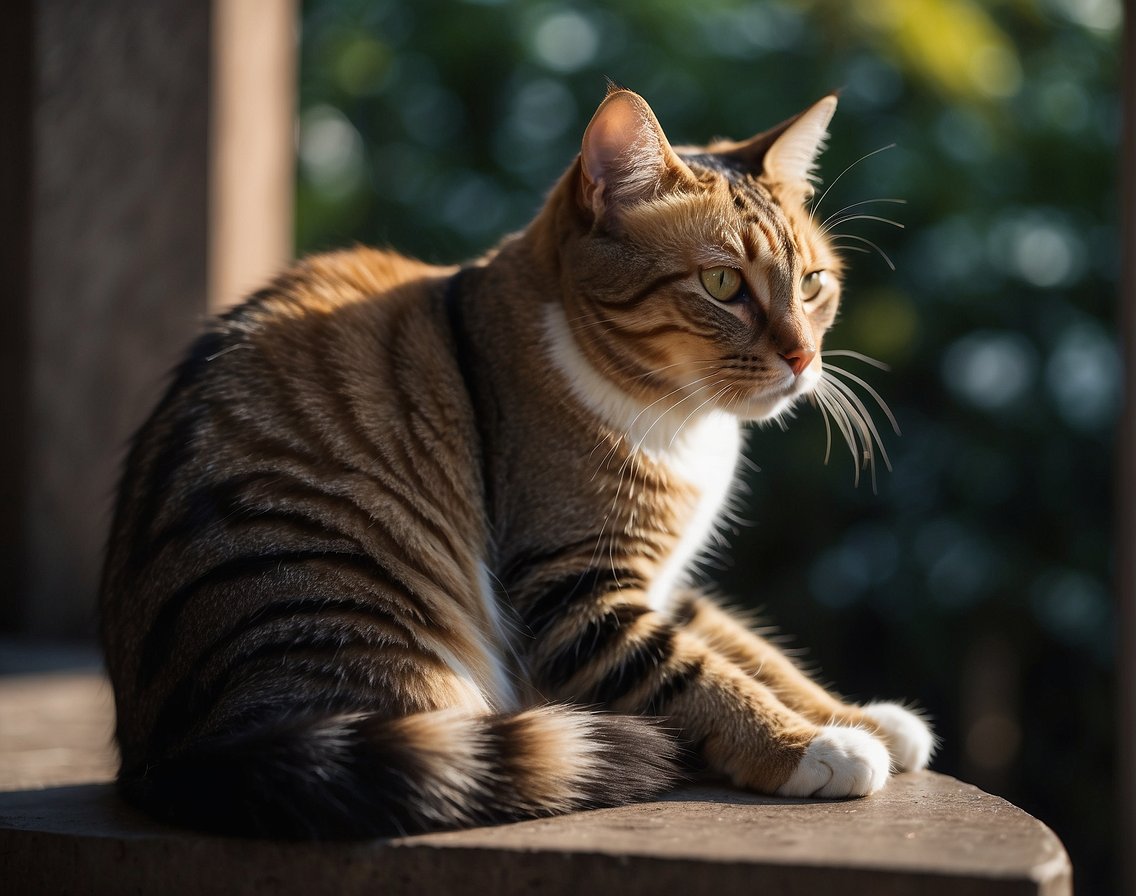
352,776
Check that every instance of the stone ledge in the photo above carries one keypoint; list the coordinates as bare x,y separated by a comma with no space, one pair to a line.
924,834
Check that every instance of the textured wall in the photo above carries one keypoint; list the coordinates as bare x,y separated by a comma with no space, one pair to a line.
118,269
109,275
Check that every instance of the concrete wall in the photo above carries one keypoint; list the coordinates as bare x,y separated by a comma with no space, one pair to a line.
112,195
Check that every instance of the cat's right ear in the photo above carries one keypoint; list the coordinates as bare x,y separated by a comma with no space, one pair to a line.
625,156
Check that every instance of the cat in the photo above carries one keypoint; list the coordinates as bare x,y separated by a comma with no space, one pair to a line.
404,547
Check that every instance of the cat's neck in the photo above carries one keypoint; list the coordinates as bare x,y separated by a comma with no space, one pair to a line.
697,447
611,460
683,431
680,431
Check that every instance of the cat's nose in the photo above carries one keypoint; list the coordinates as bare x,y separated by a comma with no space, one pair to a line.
798,358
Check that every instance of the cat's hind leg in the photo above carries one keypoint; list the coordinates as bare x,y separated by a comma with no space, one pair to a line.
908,736
290,753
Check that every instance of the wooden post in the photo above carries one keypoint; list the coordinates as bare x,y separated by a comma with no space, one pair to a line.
251,188
117,118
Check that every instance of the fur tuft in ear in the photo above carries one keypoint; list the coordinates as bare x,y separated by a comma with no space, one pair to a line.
788,152
792,157
625,157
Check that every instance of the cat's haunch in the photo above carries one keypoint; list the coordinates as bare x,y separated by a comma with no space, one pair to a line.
406,547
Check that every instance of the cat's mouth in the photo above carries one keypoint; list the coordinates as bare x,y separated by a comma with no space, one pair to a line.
806,382
765,402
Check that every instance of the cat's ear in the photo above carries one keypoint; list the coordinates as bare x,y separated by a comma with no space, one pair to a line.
625,156
787,153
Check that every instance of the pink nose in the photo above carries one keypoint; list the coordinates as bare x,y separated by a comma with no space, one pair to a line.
799,358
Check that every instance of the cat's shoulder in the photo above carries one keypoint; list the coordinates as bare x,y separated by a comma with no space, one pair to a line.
363,271
344,287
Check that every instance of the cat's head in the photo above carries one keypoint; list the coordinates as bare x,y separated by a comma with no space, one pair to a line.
697,277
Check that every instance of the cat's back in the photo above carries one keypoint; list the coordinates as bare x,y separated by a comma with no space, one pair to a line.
288,430
333,292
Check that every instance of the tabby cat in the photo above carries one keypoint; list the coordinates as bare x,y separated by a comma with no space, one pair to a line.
403,547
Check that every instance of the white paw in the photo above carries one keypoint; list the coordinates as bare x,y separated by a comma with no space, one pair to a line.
907,734
839,762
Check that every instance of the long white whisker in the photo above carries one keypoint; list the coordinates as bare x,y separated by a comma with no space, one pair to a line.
860,411
853,205
816,207
867,457
859,356
847,218
840,417
633,454
590,317
700,379
584,325
866,417
883,254
714,397
869,389
642,439
819,401
695,366
861,427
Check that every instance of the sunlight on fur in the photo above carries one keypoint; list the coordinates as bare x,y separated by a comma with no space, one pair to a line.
408,547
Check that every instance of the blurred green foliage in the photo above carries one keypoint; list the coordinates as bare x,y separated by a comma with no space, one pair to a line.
975,578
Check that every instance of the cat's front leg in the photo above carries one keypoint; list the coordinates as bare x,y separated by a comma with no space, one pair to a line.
908,736
613,650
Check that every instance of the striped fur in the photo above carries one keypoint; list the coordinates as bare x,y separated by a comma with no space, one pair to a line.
402,548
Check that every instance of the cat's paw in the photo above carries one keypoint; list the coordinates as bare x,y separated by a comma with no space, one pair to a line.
909,737
840,762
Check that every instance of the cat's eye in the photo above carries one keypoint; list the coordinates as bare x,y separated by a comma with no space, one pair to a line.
723,284
812,284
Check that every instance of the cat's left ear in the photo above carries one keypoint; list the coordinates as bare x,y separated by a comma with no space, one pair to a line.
787,153
625,156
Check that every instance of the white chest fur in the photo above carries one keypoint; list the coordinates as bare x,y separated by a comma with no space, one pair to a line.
700,448
704,455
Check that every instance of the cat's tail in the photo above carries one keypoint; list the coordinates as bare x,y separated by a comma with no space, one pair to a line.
357,775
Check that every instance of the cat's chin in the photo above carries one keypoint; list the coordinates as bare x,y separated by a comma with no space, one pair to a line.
769,404
763,408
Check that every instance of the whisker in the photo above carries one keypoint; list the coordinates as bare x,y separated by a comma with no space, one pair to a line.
827,427
859,356
836,409
847,218
633,453
841,407
683,400
865,457
694,365
816,207
869,389
831,402
582,325
865,417
635,419
883,254
839,404
853,205
682,426
589,316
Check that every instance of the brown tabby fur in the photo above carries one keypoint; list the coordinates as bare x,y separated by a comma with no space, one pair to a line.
372,547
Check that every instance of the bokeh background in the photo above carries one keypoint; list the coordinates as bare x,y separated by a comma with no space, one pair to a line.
975,576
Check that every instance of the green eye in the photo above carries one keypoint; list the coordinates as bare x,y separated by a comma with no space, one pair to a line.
812,284
723,284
